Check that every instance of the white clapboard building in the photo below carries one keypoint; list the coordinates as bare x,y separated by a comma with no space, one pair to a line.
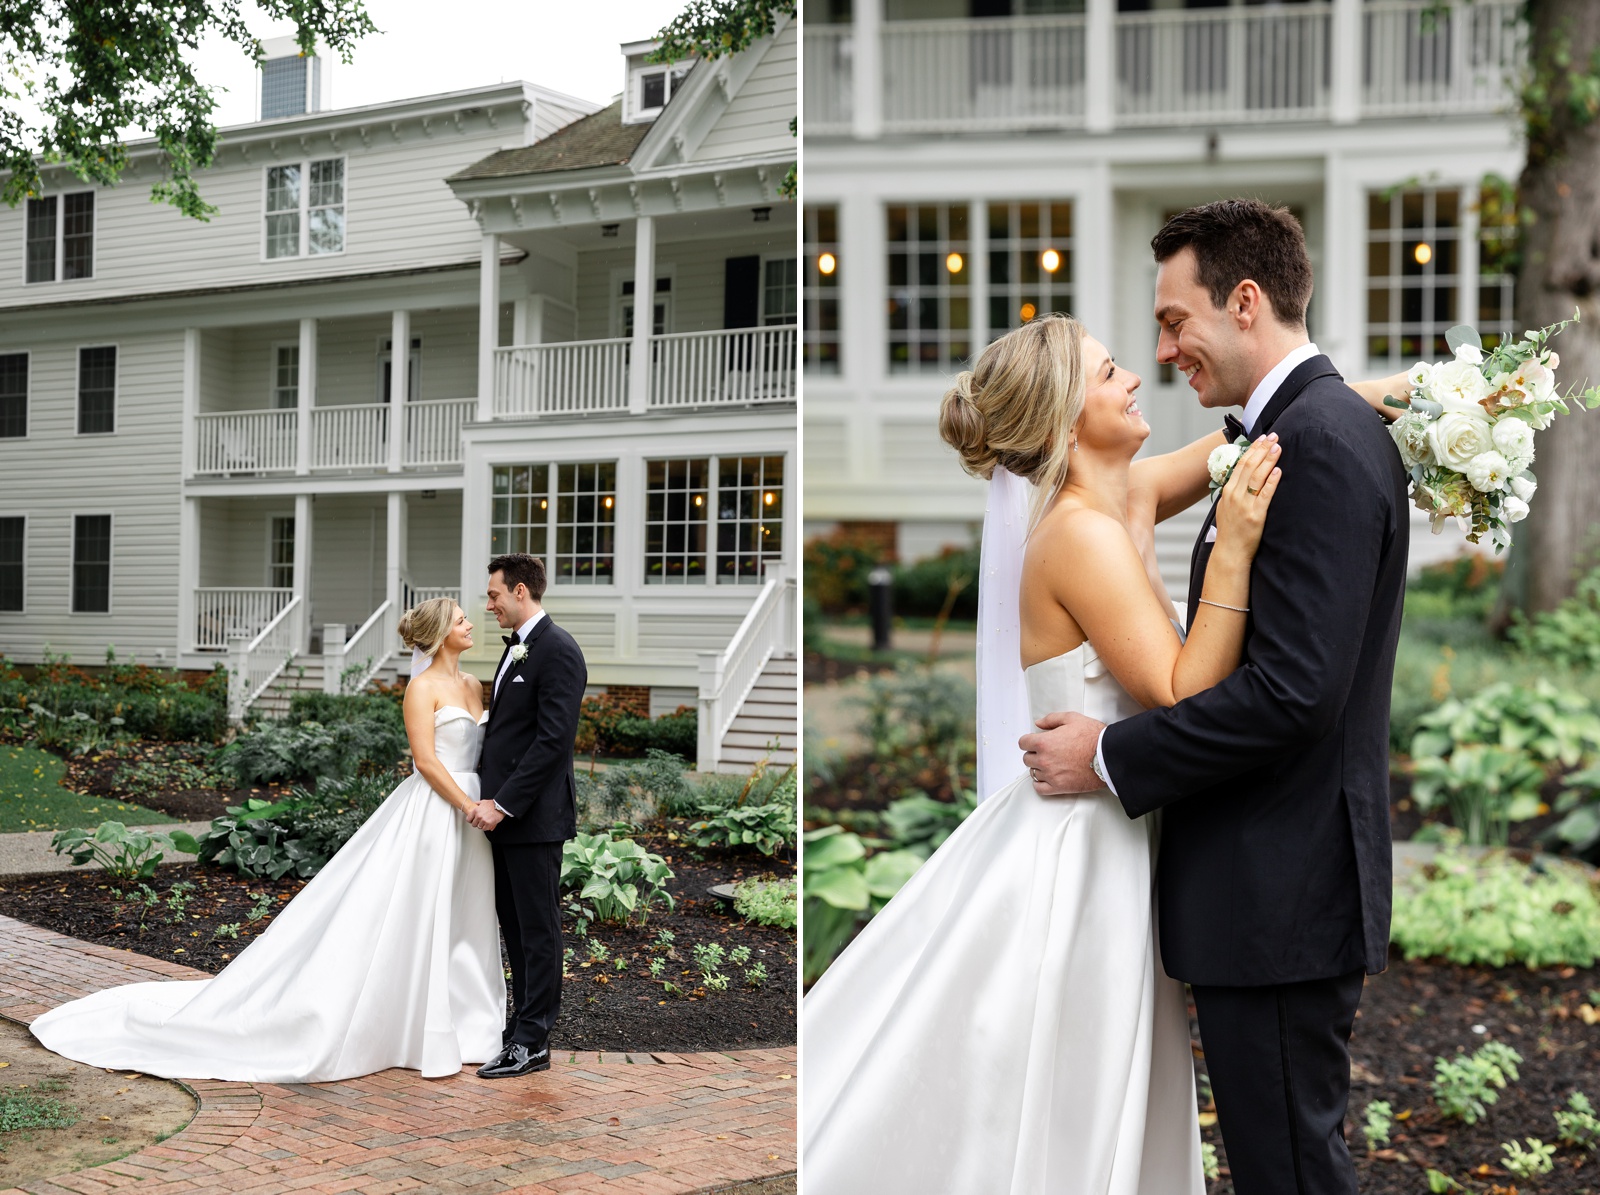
971,163
209,454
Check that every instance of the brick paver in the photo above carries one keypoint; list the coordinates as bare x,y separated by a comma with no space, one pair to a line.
651,1124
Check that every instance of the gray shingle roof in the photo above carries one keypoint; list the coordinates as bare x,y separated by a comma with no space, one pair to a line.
597,140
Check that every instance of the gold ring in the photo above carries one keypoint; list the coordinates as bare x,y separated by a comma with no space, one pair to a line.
1252,492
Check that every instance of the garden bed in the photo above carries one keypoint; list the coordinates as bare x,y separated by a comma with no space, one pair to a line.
629,1010
1417,1011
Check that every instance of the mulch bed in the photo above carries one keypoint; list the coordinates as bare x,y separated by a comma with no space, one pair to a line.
602,1008
1415,1012
162,786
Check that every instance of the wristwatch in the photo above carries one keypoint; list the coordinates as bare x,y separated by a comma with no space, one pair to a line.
1099,768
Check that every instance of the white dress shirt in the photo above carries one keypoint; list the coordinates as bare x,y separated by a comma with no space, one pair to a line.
1259,398
522,637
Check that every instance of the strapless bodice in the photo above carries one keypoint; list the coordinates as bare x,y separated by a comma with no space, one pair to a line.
457,737
1077,681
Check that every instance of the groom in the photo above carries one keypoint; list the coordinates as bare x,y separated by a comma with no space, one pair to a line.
528,806
1273,882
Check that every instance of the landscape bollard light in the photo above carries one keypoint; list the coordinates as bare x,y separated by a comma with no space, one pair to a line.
880,583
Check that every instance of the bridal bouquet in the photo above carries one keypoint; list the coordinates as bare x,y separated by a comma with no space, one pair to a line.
1467,432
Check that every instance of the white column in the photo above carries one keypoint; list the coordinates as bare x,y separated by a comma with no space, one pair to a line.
307,383
1099,74
394,557
302,563
399,384
1467,259
191,400
978,275
188,574
1094,248
488,323
866,69
863,322
1345,102
1339,297
644,298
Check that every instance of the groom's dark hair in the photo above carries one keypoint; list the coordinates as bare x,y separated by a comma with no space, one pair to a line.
519,568
1235,239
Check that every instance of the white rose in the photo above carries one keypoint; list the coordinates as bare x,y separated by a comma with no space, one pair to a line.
1458,385
1524,488
1410,433
1421,376
1514,509
1469,353
1488,471
1222,460
1540,422
1514,438
1456,438
519,652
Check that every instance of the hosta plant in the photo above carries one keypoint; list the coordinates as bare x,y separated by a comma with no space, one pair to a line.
768,828
124,855
617,878
843,886
1485,788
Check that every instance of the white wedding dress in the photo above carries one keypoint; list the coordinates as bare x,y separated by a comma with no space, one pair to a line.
389,957
1004,1024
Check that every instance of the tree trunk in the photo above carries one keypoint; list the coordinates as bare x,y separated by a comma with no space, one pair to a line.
1560,272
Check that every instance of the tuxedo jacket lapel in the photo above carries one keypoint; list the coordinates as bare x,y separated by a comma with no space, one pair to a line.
533,636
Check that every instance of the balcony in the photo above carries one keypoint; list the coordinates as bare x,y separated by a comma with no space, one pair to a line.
352,438
1325,60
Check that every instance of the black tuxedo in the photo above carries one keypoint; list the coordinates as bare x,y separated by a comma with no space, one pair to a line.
526,768
1274,874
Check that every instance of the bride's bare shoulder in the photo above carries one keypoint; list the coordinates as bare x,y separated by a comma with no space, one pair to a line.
1069,527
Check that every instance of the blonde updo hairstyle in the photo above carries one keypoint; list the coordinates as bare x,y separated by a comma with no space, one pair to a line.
1018,403
427,623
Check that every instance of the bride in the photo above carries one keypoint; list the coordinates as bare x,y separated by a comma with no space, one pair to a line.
1004,1025
389,957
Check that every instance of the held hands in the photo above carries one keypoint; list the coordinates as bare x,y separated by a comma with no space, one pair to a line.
1060,755
485,816
1242,506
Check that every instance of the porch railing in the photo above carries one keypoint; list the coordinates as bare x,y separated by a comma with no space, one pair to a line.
828,51
245,442
975,74
733,366
561,379
255,662
1188,66
1439,58
411,594
348,666
726,677
433,431
350,437
223,613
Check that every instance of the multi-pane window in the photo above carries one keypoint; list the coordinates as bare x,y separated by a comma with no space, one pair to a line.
521,516
749,517
13,394
280,552
91,564
677,501
97,390
60,237
305,208
779,300
661,315
286,376
929,316
13,532
585,527
1030,262
1499,252
821,298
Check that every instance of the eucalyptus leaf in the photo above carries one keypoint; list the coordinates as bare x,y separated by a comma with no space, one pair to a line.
1463,334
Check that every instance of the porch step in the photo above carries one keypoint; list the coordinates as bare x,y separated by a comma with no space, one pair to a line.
767,726
304,674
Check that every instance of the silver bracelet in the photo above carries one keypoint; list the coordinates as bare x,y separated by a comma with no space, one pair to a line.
1222,606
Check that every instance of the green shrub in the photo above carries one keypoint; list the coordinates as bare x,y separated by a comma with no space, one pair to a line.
1569,634
1485,789
677,733
1498,910
123,854
768,902
633,793
768,828
1579,831
297,836
306,752
151,703
614,877
1465,1085
720,790
837,567
1464,588
922,588
921,824
330,709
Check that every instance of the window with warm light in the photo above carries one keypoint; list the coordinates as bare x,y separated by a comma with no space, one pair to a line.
749,504
819,299
677,503
520,521
739,500
1030,262
585,523
929,300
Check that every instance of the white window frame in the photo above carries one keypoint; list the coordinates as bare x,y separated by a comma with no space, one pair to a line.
676,74
272,520
553,495
1057,292
61,232
27,398
77,389
72,563
26,527
272,373
761,306
784,489
385,352
948,337
708,553
1396,238
813,294
618,300
304,253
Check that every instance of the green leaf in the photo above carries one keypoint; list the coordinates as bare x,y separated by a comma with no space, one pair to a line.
888,872
1463,334
841,887
1390,400
822,853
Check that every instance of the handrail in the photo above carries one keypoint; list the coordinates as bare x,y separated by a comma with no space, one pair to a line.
372,636
255,663
727,677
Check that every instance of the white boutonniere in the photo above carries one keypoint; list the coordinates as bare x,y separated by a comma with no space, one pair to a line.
519,652
1222,460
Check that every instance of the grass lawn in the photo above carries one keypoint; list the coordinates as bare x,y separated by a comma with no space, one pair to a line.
31,796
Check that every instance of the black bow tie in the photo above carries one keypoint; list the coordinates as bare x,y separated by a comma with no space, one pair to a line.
1233,428
508,640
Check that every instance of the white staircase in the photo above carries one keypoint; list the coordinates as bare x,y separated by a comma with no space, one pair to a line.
306,674
767,725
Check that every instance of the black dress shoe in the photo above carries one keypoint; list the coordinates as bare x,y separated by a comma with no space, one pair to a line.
515,1059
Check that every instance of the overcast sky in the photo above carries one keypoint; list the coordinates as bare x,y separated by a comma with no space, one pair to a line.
427,47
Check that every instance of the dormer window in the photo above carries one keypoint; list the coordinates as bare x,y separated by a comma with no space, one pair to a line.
651,85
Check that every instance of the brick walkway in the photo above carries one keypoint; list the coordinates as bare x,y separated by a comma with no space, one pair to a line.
623,1123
